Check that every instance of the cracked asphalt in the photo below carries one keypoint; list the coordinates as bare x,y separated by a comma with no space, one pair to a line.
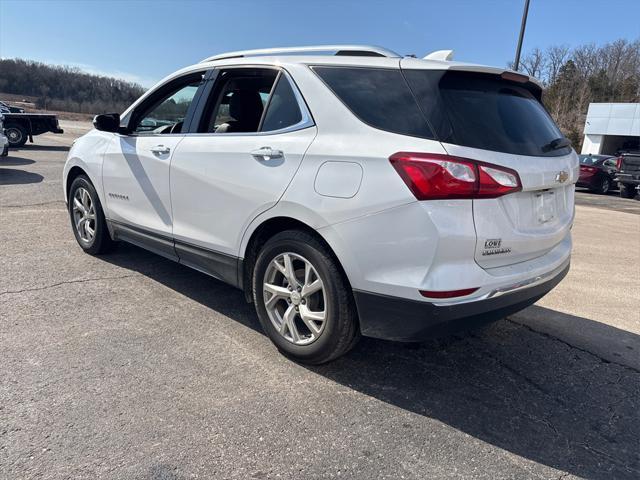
128,366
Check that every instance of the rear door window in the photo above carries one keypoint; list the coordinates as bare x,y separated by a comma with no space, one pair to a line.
379,97
238,100
484,111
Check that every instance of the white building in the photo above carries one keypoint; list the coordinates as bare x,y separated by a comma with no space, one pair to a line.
611,127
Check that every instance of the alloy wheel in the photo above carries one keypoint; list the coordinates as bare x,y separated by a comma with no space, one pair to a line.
294,297
84,215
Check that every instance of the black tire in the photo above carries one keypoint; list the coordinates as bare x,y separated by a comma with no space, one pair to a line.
627,190
604,186
341,330
16,134
101,241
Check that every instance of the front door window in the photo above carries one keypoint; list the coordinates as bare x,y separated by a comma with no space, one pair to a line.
168,112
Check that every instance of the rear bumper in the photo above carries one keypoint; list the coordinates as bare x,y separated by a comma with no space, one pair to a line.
400,319
628,178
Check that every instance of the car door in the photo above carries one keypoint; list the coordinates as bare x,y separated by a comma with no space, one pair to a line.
136,165
251,136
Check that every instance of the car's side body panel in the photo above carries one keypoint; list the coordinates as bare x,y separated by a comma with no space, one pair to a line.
136,181
218,186
87,153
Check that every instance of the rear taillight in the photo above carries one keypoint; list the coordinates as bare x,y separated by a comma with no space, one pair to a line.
619,163
588,169
432,176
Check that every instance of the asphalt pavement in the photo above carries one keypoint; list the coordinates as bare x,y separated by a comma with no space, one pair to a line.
129,366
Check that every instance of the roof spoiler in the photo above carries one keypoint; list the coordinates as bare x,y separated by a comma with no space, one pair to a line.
442,55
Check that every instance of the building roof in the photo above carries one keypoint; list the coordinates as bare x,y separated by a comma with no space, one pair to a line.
613,119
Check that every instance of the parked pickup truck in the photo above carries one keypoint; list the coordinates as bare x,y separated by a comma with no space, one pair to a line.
22,126
628,175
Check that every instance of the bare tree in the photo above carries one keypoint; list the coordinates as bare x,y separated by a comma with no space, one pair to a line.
534,63
574,78
556,57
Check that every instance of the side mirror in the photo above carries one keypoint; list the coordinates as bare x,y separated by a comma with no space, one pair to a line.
107,122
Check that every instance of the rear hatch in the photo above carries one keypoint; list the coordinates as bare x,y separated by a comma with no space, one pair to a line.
499,119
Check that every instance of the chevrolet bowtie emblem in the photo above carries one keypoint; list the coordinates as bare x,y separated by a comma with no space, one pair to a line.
562,177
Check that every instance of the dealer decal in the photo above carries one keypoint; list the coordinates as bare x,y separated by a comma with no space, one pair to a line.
493,246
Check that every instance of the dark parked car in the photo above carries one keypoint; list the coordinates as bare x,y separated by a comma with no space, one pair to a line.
597,172
5,108
628,174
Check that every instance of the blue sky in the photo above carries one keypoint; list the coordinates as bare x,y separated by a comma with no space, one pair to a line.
145,40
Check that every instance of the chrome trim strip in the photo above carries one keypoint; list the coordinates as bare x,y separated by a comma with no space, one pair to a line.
531,282
523,284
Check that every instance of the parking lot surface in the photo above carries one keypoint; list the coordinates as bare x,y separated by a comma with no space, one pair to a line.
129,366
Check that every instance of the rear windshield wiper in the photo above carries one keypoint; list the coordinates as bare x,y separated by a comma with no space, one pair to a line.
557,144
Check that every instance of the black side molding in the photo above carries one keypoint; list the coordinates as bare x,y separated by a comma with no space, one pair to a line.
221,266
142,238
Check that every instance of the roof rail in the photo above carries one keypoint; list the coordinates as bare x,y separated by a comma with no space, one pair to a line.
355,50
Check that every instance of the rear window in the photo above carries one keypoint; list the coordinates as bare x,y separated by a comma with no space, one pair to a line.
591,159
378,97
484,111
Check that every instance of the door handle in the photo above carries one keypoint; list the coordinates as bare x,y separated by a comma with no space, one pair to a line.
160,150
267,153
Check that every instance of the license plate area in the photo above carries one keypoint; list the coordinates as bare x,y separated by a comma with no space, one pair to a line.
545,206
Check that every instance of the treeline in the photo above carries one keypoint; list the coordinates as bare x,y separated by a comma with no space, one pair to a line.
66,88
576,77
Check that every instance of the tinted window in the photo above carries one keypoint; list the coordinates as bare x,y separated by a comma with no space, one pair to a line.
587,159
378,97
238,101
594,159
484,111
283,110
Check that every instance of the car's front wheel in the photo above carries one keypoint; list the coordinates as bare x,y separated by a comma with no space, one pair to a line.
303,299
87,217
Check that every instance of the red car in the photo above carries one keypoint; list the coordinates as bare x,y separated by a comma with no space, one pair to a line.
597,172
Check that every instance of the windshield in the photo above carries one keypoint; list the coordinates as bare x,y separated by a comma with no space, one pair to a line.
485,111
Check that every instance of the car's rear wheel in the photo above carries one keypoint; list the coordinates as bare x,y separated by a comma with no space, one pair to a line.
604,186
16,134
627,190
303,300
87,218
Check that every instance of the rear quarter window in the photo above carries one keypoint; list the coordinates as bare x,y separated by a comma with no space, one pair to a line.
379,97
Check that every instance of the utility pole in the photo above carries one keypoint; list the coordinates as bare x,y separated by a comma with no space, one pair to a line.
516,62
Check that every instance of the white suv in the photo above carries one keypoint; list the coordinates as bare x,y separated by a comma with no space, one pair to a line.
4,141
354,193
